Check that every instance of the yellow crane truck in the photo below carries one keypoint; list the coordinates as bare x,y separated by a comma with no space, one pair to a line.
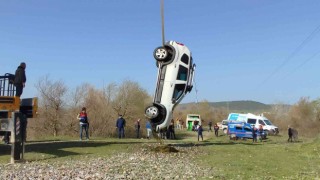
13,116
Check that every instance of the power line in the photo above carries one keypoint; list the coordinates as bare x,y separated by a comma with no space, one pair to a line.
303,63
303,43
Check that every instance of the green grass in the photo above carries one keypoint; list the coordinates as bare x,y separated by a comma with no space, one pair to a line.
273,158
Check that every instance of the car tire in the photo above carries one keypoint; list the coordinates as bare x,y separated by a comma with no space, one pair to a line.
152,112
161,54
225,131
271,132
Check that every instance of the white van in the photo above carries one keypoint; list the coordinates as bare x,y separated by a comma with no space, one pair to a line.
255,120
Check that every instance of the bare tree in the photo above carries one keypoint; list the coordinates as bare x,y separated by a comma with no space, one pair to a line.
75,101
51,103
303,116
130,101
104,106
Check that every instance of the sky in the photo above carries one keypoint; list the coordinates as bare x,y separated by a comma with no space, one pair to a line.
260,50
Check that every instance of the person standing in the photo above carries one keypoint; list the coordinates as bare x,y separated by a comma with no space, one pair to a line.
121,123
290,134
178,123
200,130
181,124
261,132
171,131
84,124
210,126
254,134
216,129
149,129
137,127
20,79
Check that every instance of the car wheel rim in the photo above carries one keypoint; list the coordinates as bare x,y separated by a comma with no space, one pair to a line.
161,53
152,112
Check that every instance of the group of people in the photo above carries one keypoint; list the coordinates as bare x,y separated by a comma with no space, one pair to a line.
179,124
215,128
166,134
199,129
120,125
256,132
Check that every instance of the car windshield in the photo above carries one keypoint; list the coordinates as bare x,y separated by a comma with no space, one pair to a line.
268,122
224,122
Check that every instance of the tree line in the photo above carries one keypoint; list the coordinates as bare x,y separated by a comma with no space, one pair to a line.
59,106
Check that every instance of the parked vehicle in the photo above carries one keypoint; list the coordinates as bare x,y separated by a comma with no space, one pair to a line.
256,121
223,125
174,81
192,121
242,130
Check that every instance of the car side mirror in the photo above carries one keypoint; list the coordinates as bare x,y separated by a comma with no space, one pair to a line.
189,88
173,100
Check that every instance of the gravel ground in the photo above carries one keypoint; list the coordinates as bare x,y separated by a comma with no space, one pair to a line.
144,164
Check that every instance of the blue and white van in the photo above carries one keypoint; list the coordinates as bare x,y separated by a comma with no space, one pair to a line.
255,121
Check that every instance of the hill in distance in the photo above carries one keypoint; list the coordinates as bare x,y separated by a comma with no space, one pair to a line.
238,106
242,106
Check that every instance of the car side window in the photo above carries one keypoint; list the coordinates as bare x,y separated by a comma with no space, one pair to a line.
261,122
252,121
185,59
182,73
178,91
247,129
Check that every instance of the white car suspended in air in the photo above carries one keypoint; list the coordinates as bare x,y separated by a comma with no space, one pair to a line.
175,78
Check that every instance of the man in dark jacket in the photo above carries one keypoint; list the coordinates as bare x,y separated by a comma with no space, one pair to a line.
121,123
137,127
200,132
254,134
290,134
20,79
210,126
